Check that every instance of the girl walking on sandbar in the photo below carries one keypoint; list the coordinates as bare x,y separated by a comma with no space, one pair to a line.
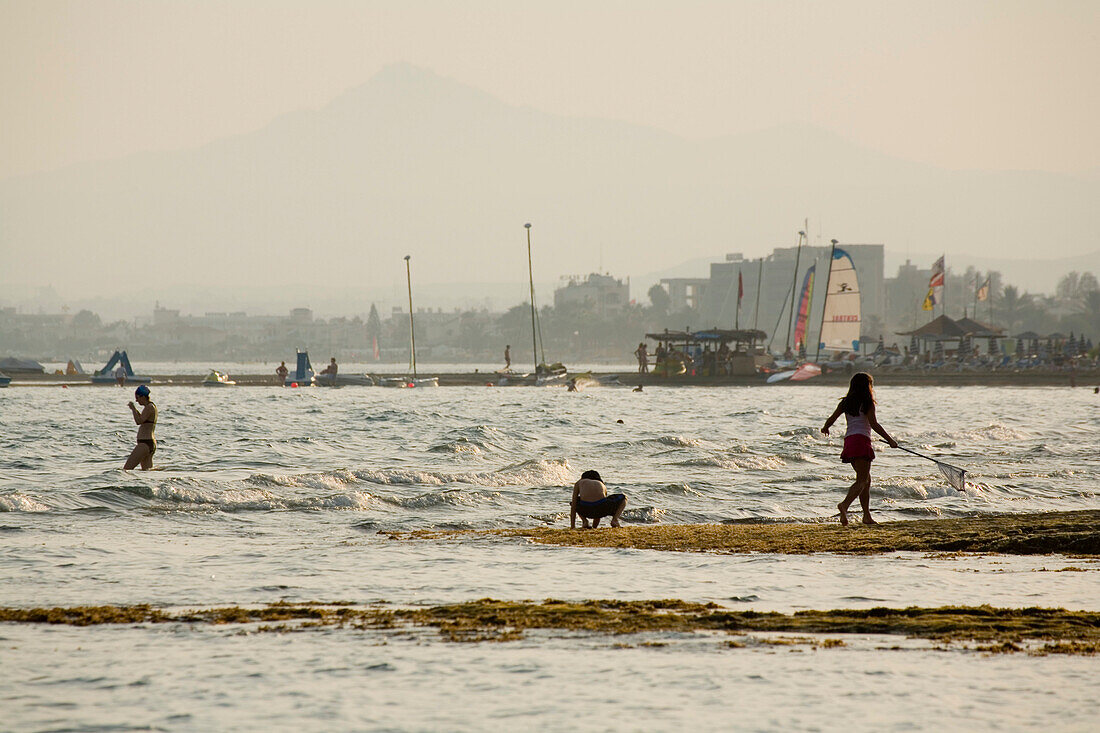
858,407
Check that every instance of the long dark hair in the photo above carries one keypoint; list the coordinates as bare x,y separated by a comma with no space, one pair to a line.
861,394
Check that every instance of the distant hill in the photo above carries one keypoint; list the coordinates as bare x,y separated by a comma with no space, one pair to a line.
414,163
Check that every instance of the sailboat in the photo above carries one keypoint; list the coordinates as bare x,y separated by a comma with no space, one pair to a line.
416,380
545,375
841,318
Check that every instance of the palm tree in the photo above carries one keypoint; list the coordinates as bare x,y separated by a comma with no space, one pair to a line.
1014,306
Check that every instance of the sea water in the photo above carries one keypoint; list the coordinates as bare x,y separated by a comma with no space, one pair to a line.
273,494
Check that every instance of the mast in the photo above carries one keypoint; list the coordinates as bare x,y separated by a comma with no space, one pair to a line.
412,333
737,316
824,305
794,284
756,310
531,279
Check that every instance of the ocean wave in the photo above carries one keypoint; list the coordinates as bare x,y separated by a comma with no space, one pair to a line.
21,503
911,489
678,490
676,441
232,499
644,515
461,445
433,500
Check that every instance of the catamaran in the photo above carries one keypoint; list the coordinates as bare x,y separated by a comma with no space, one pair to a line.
545,374
841,317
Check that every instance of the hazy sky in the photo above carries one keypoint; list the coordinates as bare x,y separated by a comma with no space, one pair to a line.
993,84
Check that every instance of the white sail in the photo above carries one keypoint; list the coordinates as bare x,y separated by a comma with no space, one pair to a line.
840,323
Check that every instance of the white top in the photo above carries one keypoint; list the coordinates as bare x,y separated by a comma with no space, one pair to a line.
857,425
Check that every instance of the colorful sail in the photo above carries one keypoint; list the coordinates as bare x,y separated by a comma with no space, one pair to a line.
840,323
804,309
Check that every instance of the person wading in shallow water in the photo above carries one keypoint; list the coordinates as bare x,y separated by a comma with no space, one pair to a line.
146,420
858,408
590,501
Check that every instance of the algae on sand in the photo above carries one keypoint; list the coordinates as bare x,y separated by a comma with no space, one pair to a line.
1000,629
1069,533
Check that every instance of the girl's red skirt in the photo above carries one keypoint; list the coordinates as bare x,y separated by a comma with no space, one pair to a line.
857,446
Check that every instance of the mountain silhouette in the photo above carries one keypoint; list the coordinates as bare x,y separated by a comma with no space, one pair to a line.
414,163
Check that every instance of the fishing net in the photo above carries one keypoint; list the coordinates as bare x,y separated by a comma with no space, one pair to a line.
955,476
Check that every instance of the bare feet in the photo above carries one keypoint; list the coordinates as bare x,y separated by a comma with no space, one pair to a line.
867,519
843,514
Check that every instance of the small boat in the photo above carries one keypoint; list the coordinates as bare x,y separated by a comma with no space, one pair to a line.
415,380
303,375
217,379
344,380
5,380
106,374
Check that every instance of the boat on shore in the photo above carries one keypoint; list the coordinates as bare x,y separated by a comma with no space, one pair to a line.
5,380
343,380
415,380
303,374
217,379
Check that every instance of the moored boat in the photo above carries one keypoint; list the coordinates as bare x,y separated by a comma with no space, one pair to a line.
217,379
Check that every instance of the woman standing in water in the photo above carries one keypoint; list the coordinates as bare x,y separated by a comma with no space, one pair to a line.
146,420
858,407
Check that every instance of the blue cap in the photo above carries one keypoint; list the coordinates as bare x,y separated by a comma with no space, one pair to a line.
142,391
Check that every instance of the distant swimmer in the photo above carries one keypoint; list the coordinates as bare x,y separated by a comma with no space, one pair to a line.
508,356
590,501
281,371
638,389
858,408
146,420
120,375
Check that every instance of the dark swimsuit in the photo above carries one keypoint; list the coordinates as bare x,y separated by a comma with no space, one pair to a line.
151,442
605,507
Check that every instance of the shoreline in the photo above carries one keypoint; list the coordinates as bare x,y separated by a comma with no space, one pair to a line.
1084,380
1075,533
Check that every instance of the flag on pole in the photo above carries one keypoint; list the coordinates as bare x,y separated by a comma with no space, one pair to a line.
983,291
930,299
740,288
374,345
936,281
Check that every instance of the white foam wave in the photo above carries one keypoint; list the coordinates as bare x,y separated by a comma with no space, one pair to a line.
910,489
21,503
